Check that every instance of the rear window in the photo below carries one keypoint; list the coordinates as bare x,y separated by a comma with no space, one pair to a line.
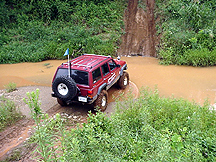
80,77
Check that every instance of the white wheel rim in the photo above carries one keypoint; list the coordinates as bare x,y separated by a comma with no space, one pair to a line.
103,101
125,81
62,89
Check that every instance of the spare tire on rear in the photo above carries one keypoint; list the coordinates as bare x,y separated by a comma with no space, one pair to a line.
64,88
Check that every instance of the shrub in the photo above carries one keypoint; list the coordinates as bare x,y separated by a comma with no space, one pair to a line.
8,113
10,87
202,57
70,24
186,26
148,129
191,57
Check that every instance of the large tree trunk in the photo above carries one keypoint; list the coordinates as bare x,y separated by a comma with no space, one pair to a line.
140,30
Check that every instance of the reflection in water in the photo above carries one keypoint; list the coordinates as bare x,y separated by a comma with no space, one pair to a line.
192,83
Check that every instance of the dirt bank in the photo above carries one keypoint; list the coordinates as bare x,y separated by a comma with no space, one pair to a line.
140,32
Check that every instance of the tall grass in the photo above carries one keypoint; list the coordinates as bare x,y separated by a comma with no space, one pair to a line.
150,128
8,113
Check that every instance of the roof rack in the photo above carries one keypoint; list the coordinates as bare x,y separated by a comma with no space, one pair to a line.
96,55
81,65
87,62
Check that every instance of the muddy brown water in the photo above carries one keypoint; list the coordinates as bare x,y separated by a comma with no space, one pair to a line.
192,83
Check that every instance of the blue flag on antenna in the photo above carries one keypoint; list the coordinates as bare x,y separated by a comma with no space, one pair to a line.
66,52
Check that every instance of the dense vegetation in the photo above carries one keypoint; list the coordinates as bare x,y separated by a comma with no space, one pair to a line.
188,29
148,129
37,30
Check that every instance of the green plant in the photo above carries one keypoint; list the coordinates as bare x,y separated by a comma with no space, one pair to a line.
37,31
202,57
16,156
192,57
8,113
186,26
150,128
10,87
48,131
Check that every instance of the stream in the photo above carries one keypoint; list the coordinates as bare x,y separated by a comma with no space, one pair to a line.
192,83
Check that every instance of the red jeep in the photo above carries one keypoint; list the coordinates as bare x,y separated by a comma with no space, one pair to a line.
87,79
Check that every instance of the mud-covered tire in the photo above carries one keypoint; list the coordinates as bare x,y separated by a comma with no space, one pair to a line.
62,103
123,80
64,88
101,101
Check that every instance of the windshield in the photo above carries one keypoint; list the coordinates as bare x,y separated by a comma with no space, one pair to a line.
80,77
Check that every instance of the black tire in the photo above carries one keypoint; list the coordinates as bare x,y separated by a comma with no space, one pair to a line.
62,103
101,101
123,80
64,88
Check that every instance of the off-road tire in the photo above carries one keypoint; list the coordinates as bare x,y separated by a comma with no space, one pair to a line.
123,80
62,103
101,101
64,88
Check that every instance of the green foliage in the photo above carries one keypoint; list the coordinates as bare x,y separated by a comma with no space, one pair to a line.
202,57
40,30
148,129
49,132
10,87
186,25
191,57
32,101
8,113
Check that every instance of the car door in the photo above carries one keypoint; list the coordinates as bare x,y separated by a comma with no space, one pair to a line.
114,73
106,72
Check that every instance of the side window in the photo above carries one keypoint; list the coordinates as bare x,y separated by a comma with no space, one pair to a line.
112,65
105,69
96,75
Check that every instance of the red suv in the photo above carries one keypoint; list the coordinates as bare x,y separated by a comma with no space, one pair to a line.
87,78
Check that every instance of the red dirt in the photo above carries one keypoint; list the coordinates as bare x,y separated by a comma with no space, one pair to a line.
140,36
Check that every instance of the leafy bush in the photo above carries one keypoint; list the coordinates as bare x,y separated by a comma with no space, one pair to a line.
64,24
201,57
8,113
186,26
148,129
191,57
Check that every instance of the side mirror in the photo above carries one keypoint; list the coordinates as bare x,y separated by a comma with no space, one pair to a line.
118,65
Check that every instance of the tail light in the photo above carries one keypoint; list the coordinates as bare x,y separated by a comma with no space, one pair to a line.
90,94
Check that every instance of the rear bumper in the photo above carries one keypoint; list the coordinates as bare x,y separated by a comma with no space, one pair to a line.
75,99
